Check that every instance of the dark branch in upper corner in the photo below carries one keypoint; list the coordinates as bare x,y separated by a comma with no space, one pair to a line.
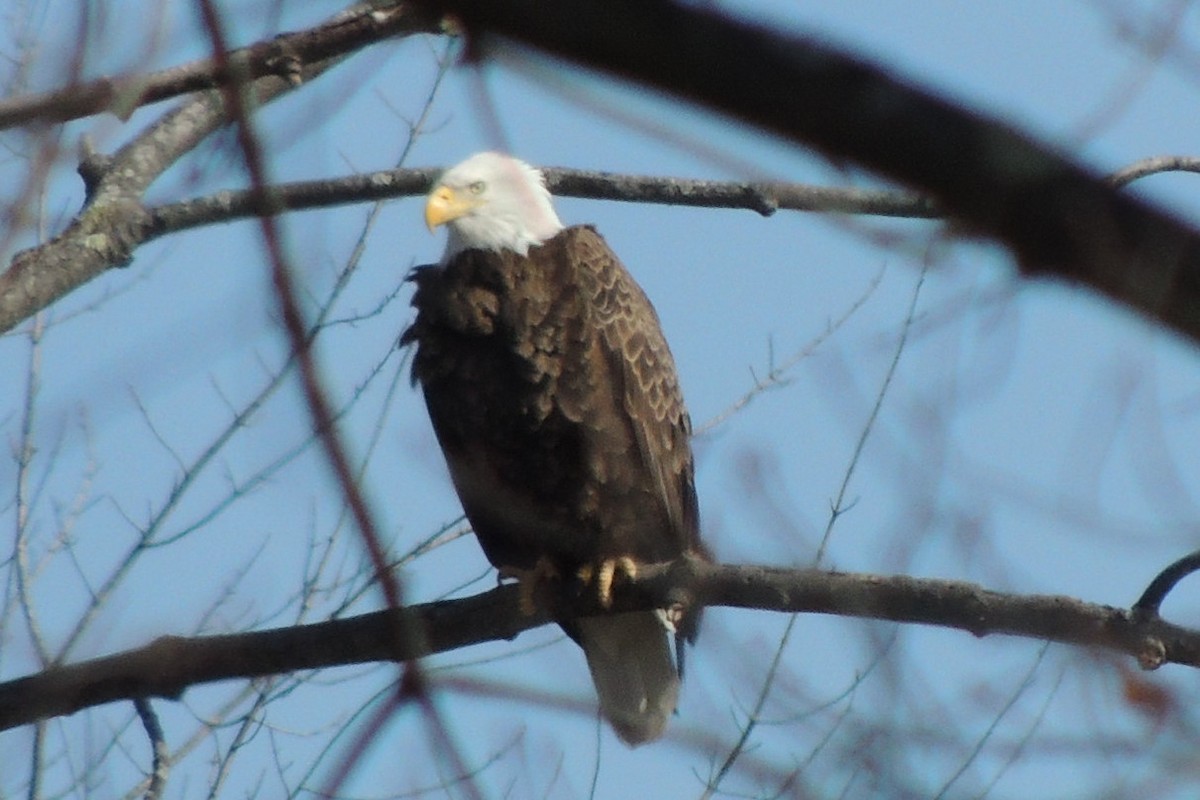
1058,218
170,665
279,56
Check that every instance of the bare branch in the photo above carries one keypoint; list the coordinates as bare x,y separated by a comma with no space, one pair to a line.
114,221
405,633
1154,166
763,197
1151,600
281,56
170,665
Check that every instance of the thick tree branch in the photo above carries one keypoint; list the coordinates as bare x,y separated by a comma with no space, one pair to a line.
170,665
1057,217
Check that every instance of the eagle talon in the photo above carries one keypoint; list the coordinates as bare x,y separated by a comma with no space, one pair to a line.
604,573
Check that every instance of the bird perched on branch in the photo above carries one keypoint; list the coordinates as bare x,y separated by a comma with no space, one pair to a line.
555,400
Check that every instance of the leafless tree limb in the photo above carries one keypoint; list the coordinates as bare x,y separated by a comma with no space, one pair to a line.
1059,219
170,665
762,197
1156,165
114,221
145,224
281,56
1151,600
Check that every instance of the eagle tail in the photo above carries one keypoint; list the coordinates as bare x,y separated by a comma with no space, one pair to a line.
635,674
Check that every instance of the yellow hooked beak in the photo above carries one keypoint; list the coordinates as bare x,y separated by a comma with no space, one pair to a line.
445,205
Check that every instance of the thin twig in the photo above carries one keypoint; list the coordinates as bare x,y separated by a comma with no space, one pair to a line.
977,749
406,634
838,506
777,374
114,221
161,757
752,718
25,453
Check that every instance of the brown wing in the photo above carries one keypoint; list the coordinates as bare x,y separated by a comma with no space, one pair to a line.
642,371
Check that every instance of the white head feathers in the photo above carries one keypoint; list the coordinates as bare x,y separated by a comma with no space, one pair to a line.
492,201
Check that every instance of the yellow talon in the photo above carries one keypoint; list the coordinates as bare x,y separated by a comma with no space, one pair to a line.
671,616
528,581
605,572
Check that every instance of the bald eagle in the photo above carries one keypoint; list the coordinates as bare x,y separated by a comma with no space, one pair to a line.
555,400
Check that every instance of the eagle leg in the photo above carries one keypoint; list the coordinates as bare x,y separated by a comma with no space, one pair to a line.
604,573
528,581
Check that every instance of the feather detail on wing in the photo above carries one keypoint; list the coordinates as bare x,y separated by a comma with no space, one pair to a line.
644,371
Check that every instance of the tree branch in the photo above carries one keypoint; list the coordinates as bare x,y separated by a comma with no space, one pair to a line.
160,755
170,665
1155,165
1058,218
281,56
763,197
114,222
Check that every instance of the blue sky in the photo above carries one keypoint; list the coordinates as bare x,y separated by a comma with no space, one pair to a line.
1033,439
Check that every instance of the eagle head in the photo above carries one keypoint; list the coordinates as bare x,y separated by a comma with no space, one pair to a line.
492,201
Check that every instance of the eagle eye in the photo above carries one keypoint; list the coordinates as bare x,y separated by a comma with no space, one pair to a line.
477,187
